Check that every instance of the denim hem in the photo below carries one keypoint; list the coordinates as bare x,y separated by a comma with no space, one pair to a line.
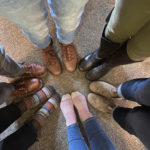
72,125
43,46
67,43
119,91
89,119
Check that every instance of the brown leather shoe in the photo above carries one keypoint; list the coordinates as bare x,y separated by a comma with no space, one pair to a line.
69,56
34,70
50,60
26,86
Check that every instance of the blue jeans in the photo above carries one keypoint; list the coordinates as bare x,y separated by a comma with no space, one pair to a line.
135,121
97,137
32,17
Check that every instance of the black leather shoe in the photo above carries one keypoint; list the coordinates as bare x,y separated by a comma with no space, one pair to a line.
90,61
98,72
94,59
120,57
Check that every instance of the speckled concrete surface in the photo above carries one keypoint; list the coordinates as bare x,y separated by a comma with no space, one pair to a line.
53,135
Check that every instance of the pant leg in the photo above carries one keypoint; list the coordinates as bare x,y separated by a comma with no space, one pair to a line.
8,115
136,90
20,140
9,67
127,18
31,16
75,139
135,121
6,89
138,48
67,15
97,137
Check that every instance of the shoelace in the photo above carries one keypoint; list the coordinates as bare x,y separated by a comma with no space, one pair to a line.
52,60
28,68
19,86
67,53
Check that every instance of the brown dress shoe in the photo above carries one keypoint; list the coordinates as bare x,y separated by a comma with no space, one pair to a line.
50,60
69,56
34,70
26,86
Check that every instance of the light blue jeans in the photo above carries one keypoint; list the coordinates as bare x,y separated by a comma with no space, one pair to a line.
32,17
96,136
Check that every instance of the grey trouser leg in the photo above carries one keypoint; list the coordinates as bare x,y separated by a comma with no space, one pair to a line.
131,18
6,90
8,68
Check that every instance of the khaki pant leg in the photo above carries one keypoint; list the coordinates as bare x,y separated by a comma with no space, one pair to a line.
138,47
127,18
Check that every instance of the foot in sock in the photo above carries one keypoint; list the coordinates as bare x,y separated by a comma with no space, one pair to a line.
39,97
80,103
67,108
42,115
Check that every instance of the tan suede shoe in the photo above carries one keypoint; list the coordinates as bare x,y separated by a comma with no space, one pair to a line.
50,60
100,103
69,56
104,89
26,86
34,70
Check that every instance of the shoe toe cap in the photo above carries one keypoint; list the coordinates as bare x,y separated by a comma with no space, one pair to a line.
84,65
91,76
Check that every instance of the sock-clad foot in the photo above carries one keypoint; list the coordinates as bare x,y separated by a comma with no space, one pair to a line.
67,108
80,103
69,56
39,97
13,111
100,103
50,60
42,115
34,70
26,86
104,89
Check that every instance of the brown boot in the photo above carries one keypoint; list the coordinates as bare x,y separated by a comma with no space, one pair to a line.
50,60
104,89
100,103
26,86
34,70
69,56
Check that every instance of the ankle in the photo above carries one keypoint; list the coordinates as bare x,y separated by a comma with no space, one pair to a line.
35,124
80,103
22,106
68,110
85,114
